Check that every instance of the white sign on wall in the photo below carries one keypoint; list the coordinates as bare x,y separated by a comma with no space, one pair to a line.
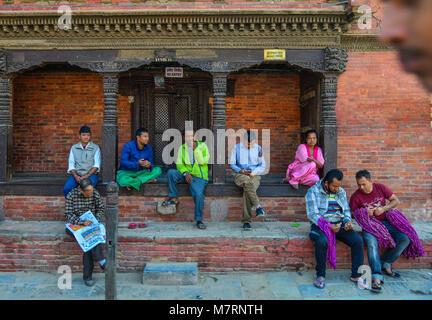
174,72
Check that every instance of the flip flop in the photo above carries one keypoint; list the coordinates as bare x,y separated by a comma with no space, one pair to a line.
376,287
321,282
393,274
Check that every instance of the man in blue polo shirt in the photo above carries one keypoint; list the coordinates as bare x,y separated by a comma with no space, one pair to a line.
248,164
136,162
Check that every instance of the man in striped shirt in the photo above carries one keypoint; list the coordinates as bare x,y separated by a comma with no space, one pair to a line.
328,200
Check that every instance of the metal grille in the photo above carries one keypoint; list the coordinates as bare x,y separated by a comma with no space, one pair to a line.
161,113
182,111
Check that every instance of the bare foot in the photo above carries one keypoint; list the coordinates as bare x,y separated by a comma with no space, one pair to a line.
152,181
128,188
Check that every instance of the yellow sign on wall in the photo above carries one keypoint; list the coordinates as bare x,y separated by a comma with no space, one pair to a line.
274,54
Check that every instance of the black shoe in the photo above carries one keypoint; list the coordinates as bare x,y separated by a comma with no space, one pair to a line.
260,212
246,226
200,225
89,282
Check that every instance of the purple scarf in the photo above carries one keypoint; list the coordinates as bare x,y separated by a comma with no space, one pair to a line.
324,225
397,220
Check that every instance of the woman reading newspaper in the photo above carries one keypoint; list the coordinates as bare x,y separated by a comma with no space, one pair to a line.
80,200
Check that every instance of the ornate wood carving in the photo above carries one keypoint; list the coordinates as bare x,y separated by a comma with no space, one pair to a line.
5,128
328,125
293,29
335,59
109,127
219,119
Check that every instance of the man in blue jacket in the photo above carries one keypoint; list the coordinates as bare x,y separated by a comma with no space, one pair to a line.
136,162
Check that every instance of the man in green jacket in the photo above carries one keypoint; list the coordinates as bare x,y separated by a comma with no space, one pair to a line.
192,160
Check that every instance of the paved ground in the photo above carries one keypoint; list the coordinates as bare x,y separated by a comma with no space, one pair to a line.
413,285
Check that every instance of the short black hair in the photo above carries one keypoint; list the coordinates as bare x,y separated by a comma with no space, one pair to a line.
332,174
84,129
311,131
249,136
363,173
140,131
84,183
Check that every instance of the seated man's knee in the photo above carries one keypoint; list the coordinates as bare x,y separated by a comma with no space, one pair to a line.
370,240
319,240
404,241
157,170
171,172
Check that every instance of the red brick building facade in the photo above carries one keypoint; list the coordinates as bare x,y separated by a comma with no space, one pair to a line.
335,78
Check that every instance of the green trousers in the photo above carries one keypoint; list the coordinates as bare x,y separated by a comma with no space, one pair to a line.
250,198
133,179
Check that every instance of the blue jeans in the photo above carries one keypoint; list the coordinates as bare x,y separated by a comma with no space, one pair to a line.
390,256
350,238
71,183
197,188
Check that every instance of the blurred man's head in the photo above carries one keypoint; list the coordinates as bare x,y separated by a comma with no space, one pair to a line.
142,136
189,137
407,25
333,181
364,182
86,187
250,139
85,135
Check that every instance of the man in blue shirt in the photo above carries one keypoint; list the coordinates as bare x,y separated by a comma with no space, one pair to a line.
248,164
136,162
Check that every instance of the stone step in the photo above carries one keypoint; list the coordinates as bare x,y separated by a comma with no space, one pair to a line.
144,209
222,247
170,273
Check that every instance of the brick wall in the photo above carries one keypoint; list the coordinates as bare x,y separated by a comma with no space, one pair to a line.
140,209
383,118
49,107
48,252
268,101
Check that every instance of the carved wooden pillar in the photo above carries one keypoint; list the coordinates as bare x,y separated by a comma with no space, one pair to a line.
109,128
219,120
111,240
335,62
5,128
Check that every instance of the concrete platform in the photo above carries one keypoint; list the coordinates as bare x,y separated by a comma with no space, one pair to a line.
413,285
222,247
170,273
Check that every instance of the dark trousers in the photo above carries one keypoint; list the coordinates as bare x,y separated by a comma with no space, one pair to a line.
89,258
350,238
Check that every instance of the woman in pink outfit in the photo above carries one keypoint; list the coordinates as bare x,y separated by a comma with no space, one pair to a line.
308,160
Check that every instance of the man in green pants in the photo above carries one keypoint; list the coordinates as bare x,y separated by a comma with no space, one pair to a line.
248,164
136,162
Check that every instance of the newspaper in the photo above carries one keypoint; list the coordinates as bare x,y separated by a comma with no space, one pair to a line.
88,236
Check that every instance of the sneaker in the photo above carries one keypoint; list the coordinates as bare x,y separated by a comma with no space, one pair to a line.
246,226
260,212
89,283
